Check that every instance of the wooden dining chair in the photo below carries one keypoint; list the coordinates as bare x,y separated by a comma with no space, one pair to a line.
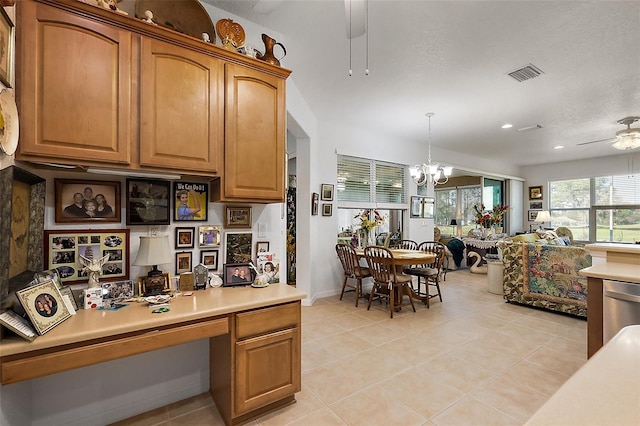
352,270
406,245
386,278
431,273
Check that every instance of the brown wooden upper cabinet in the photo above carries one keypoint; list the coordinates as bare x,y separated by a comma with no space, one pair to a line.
96,88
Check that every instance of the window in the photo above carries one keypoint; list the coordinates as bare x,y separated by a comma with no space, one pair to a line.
605,208
457,203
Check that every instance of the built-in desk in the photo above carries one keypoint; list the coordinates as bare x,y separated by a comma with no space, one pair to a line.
248,329
618,262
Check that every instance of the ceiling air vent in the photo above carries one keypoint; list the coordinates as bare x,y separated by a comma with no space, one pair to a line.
525,73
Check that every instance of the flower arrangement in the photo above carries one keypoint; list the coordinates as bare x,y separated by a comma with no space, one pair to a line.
365,221
487,218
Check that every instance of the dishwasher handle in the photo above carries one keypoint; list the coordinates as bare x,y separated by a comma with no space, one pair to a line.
622,296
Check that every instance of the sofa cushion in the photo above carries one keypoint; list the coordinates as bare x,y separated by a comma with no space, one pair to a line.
525,238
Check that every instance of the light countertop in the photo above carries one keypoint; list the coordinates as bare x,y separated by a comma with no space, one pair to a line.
90,324
605,391
614,247
613,271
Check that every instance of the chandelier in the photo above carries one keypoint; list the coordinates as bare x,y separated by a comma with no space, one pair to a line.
432,173
628,138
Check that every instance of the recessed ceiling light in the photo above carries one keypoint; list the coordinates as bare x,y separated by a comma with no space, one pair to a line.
507,126
558,147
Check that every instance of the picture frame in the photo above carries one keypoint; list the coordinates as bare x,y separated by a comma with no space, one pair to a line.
262,247
416,206
532,215
428,207
535,205
314,204
185,237
141,280
209,236
237,217
7,35
326,192
118,290
49,274
209,258
147,201
44,305
235,274
63,247
238,247
269,266
535,192
184,260
190,201
327,209
74,198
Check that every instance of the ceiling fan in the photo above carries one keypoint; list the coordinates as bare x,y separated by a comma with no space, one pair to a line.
628,138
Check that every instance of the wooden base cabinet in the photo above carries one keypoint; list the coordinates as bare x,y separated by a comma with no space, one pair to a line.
264,349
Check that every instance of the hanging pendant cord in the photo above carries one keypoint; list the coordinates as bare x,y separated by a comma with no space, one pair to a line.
350,38
366,28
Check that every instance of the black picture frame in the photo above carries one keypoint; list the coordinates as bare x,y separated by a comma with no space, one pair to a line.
246,274
67,210
416,206
535,192
197,199
185,237
184,262
532,214
535,205
326,192
327,209
209,258
147,201
7,31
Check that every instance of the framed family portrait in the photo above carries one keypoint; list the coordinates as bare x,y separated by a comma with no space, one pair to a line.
535,192
190,201
327,209
237,274
209,258
183,262
185,237
237,217
6,48
209,236
44,305
147,202
326,192
86,201
63,248
238,246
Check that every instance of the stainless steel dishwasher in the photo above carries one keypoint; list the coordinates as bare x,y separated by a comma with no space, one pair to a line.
621,306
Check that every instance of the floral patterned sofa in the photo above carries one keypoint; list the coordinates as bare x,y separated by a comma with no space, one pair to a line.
545,276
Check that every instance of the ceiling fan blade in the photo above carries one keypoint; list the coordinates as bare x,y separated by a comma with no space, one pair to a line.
598,141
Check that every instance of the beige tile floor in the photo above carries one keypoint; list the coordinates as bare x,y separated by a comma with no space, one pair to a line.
470,360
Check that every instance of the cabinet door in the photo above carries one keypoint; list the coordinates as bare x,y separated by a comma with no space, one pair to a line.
74,89
181,108
267,369
254,135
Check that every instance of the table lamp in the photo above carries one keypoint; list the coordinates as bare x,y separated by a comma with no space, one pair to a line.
454,223
543,217
154,250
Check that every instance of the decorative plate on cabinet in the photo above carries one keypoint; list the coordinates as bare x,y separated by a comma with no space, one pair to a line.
9,128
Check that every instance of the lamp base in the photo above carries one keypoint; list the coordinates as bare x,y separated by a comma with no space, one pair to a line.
154,285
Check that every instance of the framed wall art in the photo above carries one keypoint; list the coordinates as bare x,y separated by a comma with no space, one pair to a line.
209,236
428,207
44,305
535,205
327,209
238,246
533,214
416,206
326,192
262,247
183,262
86,201
209,258
147,202
185,237
63,248
314,203
237,217
6,48
535,192
190,201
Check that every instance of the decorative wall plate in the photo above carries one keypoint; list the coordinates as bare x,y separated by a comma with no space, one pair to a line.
9,126
232,30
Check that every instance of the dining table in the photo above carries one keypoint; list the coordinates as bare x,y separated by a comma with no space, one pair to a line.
402,258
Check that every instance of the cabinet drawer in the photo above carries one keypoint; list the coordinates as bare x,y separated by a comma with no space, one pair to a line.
265,320
41,363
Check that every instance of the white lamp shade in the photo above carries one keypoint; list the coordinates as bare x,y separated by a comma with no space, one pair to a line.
543,216
154,250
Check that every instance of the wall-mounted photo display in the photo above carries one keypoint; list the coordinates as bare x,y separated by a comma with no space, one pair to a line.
147,202
209,258
535,192
238,247
262,247
183,262
416,206
190,201
327,209
326,192
86,201
422,207
533,214
44,306
535,205
209,236
237,217
7,30
185,237
64,247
